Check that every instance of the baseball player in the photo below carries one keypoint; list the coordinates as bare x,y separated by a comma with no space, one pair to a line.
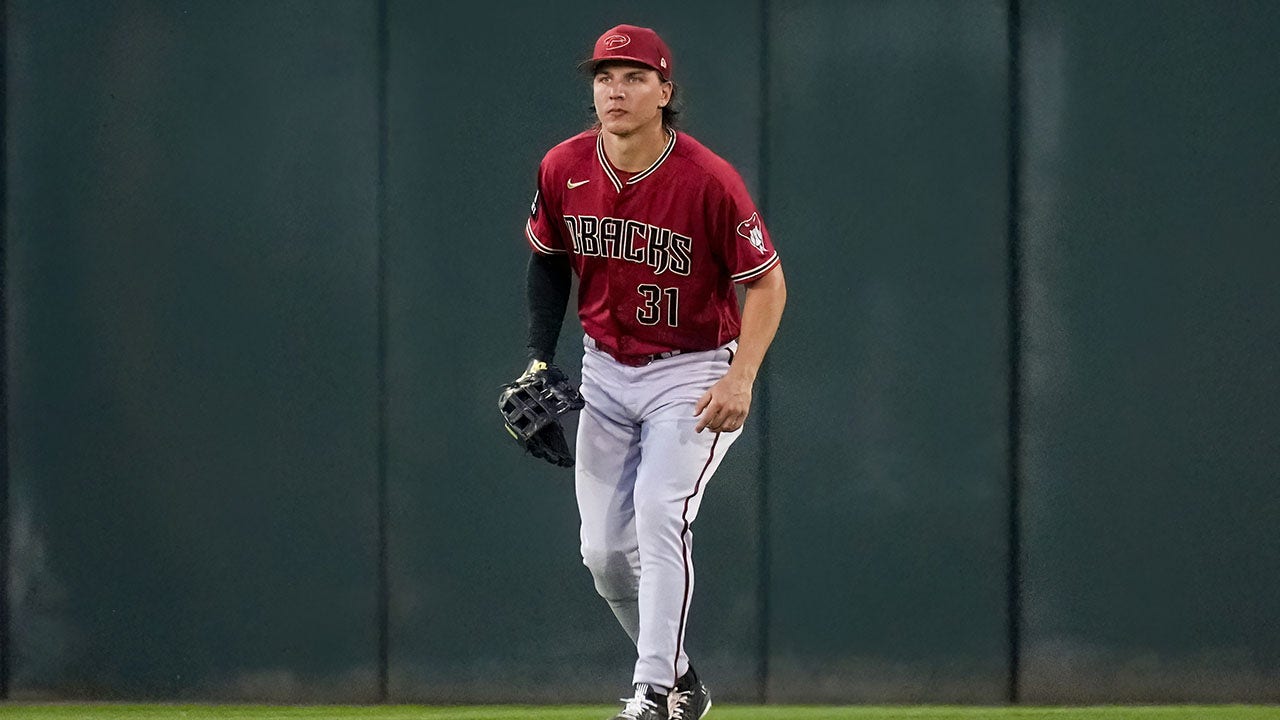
659,230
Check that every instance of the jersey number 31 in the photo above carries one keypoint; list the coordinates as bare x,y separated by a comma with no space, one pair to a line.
656,300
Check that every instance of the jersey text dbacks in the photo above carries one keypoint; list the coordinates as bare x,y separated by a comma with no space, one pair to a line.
630,240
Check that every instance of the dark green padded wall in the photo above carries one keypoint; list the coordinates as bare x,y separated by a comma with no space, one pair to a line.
193,286
887,177
486,578
192,377
1152,231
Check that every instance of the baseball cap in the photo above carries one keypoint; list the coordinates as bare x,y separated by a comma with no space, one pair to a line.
637,44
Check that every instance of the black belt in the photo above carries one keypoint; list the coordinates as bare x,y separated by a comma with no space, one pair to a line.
629,359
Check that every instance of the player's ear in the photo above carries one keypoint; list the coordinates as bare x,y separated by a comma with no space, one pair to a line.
666,93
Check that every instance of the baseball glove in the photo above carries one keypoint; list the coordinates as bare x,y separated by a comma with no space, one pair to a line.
531,408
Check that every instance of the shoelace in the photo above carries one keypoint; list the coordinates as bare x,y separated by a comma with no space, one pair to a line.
637,705
677,703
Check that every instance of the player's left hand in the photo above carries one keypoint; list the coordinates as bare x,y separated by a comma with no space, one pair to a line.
724,407
531,408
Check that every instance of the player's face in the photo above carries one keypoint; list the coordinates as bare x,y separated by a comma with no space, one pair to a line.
629,98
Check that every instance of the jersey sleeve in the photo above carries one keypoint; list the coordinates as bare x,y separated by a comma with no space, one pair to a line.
542,229
746,248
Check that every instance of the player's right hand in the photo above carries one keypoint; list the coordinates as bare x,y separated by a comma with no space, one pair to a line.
724,407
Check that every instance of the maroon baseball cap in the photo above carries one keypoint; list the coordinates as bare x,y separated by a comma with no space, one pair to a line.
637,44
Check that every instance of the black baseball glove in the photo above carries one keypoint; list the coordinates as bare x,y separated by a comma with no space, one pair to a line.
531,408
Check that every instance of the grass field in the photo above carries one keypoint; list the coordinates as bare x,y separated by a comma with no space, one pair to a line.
580,712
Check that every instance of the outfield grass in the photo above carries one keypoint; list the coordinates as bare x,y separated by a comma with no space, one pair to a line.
579,712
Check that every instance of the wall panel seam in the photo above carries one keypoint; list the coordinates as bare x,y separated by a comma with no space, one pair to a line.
383,571
765,472
1015,351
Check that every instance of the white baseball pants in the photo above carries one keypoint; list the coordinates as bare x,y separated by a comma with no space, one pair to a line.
641,473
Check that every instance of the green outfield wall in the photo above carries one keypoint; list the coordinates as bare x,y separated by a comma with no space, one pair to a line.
1016,441
1152,423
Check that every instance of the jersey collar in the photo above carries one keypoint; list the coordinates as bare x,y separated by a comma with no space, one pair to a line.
613,177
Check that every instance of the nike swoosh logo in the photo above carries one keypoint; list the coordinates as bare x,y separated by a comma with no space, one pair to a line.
571,184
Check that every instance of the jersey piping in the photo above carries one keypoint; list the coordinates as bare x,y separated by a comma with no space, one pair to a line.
757,271
538,244
613,177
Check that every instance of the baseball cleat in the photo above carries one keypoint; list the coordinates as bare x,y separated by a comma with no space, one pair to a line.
644,705
689,699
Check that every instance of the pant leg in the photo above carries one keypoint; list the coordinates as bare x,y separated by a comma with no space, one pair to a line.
608,452
676,463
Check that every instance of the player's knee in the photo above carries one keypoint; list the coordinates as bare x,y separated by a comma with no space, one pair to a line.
614,575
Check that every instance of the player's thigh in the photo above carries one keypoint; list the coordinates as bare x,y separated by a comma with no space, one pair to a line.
676,465
604,481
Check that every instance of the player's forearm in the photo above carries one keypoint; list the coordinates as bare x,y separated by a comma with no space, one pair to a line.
549,280
761,314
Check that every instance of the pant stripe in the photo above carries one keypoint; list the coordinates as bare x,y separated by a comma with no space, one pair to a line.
684,555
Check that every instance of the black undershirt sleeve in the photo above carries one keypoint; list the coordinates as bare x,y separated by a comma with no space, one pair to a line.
548,293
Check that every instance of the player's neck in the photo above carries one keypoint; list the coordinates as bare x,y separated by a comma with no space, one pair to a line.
636,151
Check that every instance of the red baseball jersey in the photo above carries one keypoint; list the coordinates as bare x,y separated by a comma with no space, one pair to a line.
656,252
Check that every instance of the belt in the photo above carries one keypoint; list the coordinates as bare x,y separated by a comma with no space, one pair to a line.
629,359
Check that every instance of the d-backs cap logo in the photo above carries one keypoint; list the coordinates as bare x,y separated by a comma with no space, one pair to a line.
613,42
750,229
